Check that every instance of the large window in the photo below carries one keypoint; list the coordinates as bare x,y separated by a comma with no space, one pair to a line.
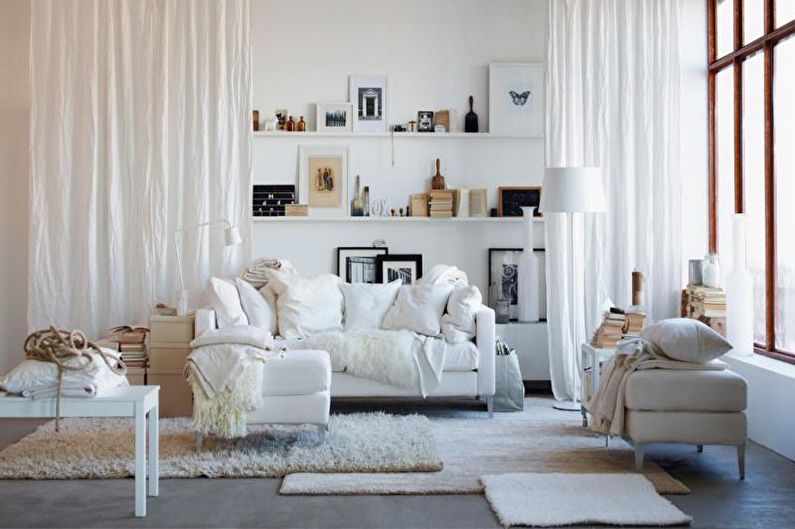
752,154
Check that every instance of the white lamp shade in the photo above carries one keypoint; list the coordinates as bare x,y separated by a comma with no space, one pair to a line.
572,190
232,236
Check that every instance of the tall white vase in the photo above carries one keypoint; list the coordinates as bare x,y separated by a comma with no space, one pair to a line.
739,295
528,285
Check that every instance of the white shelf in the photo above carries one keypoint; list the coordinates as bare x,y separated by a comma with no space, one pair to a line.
423,135
407,220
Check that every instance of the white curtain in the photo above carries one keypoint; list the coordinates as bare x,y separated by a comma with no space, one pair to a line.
140,124
613,102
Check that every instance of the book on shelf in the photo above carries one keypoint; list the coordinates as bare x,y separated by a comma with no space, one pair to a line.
617,326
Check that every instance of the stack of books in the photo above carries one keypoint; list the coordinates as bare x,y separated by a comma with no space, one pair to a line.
442,203
131,343
617,325
705,304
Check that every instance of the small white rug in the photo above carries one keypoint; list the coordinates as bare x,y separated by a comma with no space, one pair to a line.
103,449
550,500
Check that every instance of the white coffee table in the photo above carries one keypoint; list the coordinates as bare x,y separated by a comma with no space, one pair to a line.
139,402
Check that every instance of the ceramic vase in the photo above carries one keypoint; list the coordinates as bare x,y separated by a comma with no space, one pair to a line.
528,295
739,294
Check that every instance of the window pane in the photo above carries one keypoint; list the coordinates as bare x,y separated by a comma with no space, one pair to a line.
785,12
724,129
754,182
725,26
784,122
753,20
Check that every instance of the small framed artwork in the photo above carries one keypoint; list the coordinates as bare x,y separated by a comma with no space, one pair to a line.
323,179
425,121
511,200
504,279
516,99
406,267
419,205
334,117
368,94
477,203
357,264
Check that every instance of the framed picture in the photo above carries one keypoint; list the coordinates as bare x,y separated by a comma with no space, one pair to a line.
424,121
504,279
368,94
406,267
516,99
357,264
323,179
512,199
477,203
334,117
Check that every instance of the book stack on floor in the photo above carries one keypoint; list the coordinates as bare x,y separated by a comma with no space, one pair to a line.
617,325
705,304
131,343
442,203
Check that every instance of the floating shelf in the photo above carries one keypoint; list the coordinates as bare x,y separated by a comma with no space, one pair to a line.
407,220
423,135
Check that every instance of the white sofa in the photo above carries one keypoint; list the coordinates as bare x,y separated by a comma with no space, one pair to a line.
468,370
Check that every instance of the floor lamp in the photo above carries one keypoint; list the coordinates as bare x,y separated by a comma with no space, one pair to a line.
572,190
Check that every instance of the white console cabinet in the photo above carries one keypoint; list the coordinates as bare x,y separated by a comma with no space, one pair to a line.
530,342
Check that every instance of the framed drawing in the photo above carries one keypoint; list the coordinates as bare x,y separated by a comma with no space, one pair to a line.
323,179
356,264
516,99
406,267
504,279
334,117
368,94
511,200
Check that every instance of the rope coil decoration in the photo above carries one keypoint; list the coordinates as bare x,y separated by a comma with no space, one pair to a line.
69,351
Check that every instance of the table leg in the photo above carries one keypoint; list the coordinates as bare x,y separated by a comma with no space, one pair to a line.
140,459
154,452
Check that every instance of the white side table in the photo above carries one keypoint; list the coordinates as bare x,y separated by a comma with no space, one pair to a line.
139,402
591,363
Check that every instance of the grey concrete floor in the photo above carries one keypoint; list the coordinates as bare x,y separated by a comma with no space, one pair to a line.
766,499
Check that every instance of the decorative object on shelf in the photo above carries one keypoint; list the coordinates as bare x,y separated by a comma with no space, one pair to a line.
270,200
504,274
290,125
437,182
739,293
502,310
358,264
379,207
471,119
478,206
419,205
425,121
357,204
412,126
493,212
366,200
406,267
255,120
393,212
694,271
398,128
402,214
528,291
301,125
296,210
271,124
705,304
638,289
511,199
334,117
516,99
324,178
368,93
710,271
439,129
446,118
442,203
461,204
281,118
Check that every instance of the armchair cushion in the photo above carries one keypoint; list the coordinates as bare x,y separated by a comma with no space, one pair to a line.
307,305
260,310
419,308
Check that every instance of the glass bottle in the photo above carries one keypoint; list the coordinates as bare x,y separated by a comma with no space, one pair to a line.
290,125
301,127
357,208
366,200
710,271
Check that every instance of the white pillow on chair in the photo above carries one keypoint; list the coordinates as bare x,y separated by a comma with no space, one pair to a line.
686,340
458,324
307,305
367,304
260,310
418,308
225,300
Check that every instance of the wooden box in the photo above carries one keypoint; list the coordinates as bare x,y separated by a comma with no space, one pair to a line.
136,376
167,359
171,329
176,397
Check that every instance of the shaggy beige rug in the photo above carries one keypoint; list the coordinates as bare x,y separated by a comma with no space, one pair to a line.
539,439
103,448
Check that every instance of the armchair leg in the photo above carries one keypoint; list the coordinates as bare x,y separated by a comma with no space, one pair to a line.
699,448
490,406
741,460
639,456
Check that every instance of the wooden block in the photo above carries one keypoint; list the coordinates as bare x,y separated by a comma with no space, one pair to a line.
176,397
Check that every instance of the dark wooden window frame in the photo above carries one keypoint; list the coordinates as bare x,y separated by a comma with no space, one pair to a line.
740,52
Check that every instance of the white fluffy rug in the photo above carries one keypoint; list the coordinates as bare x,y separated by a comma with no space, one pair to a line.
103,448
538,439
548,500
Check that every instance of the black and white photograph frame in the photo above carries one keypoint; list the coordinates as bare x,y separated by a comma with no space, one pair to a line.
406,267
425,121
369,95
334,117
307,158
516,99
504,269
357,264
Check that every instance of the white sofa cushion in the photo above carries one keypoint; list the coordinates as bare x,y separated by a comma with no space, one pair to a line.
685,390
307,305
418,308
461,356
260,310
297,373
458,324
225,300
686,340
367,304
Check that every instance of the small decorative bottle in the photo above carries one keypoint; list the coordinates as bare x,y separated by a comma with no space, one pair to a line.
255,120
357,207
290,125
301,127
366,200
710,271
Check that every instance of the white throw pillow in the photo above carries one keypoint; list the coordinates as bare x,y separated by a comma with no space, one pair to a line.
225,300
30,375
418,308
307,305
458,324
686,340
260,310
367,304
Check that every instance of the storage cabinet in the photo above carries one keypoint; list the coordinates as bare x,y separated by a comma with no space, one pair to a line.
169,347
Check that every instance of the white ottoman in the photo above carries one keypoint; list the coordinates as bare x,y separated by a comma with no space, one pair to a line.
681,406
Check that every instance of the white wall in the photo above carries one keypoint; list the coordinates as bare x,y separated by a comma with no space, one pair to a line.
14,171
